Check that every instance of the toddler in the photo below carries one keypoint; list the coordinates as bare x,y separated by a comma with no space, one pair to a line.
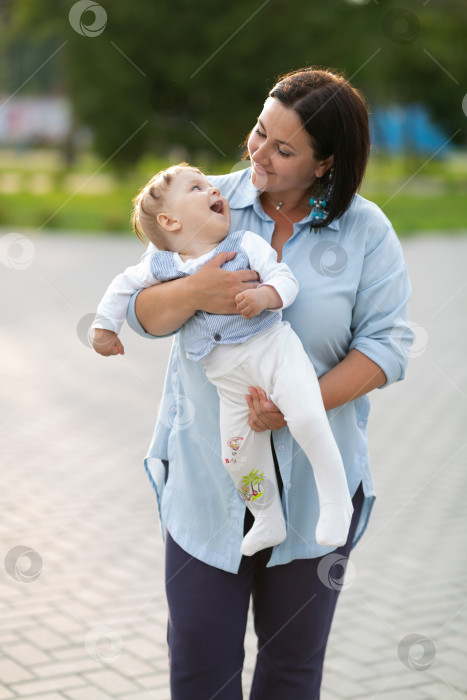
188,222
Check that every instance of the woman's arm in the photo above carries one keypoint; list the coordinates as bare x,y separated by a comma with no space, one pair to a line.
162,309
354,376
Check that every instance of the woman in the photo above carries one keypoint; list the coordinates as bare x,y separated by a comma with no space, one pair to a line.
308,154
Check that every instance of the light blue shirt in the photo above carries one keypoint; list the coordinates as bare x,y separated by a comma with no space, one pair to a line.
353,293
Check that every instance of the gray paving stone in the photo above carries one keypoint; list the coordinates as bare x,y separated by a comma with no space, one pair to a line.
82,500
9,637
27,654
43,638
43,686
401,694
5,693
111,681
144,695
154,680
61,667
69,653
11,672
47,696
442,691
132,667
453,676
341,685
87,693
142,648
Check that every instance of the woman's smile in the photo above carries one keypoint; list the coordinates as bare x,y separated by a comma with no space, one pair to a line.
259,169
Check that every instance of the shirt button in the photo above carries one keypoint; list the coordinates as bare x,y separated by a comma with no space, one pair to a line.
174,367
361,423
217,336
288,486
281,447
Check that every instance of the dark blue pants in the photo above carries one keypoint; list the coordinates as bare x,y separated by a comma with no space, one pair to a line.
208,607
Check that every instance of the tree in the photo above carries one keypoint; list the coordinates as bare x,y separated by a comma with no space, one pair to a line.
152,75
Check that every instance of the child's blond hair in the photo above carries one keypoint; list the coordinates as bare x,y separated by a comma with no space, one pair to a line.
149,202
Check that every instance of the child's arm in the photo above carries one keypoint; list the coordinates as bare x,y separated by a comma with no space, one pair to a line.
113,307
278,287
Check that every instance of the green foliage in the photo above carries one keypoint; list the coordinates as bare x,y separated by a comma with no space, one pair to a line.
88,199
196,73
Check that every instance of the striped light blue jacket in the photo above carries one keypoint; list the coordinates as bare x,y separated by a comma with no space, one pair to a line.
203,331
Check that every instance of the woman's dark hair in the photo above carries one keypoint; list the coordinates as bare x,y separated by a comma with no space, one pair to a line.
336,117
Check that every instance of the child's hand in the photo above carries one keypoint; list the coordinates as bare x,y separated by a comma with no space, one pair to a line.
250,302
107,343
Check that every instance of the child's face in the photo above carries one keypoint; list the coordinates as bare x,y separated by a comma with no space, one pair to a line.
192,200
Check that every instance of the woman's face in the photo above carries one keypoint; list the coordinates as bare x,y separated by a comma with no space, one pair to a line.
280,150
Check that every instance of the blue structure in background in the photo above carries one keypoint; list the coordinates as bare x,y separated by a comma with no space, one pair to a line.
407,128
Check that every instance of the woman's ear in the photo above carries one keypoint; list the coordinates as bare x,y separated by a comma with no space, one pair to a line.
324,166
168,222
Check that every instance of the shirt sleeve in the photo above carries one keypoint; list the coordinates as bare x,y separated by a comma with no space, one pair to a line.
113,307
380,325
263,259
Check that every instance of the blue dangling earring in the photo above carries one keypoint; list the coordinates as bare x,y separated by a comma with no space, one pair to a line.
320,201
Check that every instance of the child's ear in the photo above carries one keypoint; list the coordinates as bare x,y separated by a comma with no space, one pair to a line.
168,222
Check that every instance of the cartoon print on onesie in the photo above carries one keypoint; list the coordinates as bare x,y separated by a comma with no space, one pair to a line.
234,443
248,482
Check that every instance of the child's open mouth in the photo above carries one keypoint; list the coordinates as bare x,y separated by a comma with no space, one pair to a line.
218,207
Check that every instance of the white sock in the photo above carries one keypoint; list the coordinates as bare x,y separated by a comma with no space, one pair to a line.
333,524
266,532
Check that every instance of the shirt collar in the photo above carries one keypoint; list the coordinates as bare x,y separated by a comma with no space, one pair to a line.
246,195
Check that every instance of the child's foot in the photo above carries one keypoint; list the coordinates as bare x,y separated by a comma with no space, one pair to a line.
264,533
333,524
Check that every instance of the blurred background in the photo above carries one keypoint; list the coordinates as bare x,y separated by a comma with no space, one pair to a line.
95,98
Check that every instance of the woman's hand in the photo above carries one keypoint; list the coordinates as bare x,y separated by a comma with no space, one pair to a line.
264,414
215,289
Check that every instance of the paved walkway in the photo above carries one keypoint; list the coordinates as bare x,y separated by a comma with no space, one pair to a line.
82,605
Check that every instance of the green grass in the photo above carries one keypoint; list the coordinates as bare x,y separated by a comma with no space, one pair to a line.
410,214
59,210
417,195
111,212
